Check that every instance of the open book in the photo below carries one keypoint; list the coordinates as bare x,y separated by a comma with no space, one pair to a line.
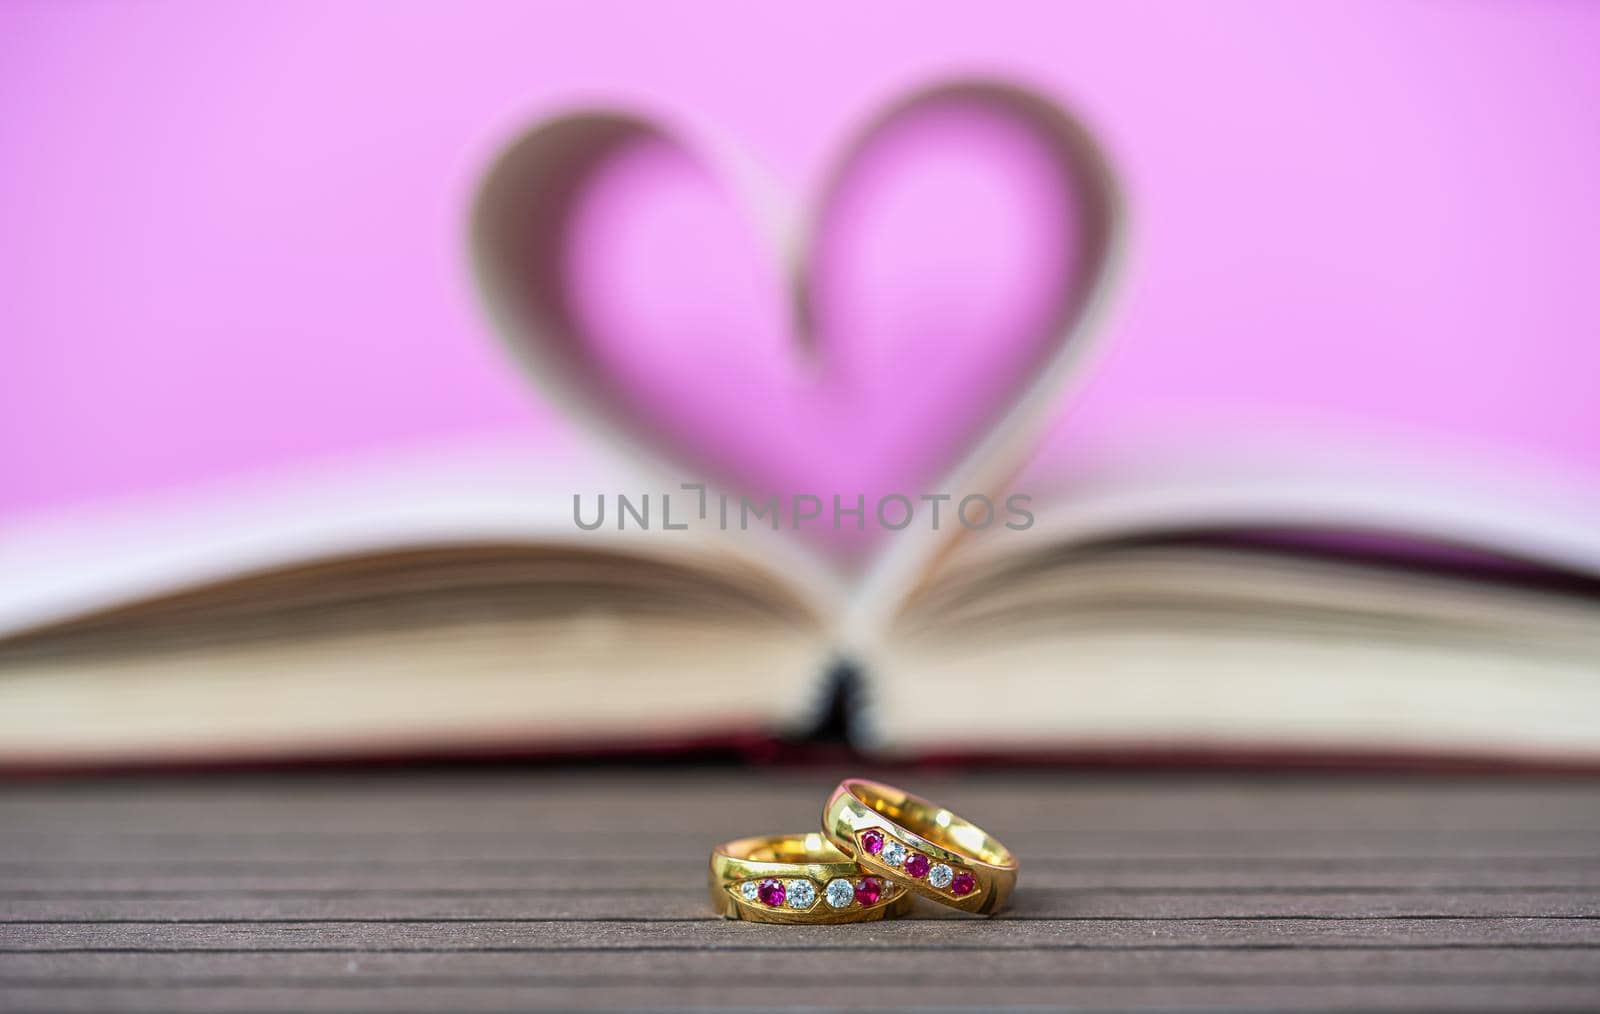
1188,605
430,609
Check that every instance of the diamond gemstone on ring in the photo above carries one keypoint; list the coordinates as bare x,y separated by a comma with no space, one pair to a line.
941,875
840,893
750,889
894,853
801,894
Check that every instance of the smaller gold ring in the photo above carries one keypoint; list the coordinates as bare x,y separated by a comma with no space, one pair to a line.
798,878
920,845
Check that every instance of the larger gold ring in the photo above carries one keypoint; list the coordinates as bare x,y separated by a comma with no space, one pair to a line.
920,846
798,878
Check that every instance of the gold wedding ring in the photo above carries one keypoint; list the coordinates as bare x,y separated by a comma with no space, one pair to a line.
920,846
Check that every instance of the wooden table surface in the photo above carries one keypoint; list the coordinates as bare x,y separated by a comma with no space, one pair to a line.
508,890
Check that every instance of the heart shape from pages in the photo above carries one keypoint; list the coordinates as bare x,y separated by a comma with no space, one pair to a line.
906,334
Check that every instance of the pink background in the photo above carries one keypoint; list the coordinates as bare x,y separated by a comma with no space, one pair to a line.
234,234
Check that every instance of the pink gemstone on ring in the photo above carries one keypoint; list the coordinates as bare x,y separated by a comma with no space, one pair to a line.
869,890
964,883
872,841
917,865
771,892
